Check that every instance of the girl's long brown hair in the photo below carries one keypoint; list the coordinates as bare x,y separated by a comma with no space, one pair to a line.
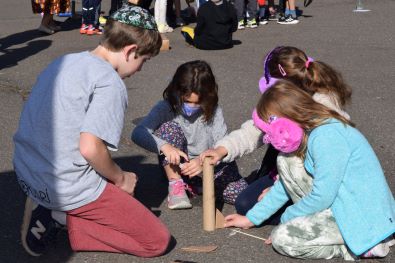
193,77
285,99
317,77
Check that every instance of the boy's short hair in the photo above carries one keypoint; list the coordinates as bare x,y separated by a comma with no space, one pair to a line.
132,25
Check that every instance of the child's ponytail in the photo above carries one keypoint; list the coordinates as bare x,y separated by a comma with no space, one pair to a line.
312,76
322,78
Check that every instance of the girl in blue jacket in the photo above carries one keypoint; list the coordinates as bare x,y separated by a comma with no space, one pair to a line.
342,204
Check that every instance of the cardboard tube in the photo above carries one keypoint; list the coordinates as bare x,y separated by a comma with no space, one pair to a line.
208,196
134,2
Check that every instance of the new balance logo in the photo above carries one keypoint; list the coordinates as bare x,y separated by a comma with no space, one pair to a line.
37,231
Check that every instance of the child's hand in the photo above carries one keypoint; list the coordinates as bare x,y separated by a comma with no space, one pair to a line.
216,155
173,154
264,192
191,168
238,221
128,183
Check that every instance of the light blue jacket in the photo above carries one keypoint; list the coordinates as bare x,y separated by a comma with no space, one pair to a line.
348,179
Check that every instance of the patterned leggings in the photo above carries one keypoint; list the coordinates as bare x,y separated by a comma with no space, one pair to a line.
50,6
224,173
310,237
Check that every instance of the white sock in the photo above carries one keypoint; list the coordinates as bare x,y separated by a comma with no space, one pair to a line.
173,181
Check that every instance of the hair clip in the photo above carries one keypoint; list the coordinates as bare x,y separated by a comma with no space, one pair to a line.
272,118
282,71
308,61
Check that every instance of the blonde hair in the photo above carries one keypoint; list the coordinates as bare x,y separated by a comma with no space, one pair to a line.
285,99
312,77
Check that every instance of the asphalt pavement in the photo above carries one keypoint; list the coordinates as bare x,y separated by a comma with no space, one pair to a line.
360,45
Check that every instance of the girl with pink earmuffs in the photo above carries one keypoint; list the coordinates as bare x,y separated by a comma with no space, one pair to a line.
318,79
342,204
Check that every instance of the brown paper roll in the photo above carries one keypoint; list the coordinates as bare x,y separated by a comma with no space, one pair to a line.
208,196
134,2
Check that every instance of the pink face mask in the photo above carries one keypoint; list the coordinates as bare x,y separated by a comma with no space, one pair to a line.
284,134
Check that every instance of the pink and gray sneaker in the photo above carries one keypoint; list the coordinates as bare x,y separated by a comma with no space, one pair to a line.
177,198
381,250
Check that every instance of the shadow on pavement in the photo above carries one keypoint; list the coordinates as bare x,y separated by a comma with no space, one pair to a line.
151,188
12,55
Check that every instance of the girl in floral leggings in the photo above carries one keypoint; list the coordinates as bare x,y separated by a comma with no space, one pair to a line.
187,122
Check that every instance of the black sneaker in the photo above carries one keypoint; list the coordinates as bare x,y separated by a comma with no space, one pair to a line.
39,229
287,20
263,21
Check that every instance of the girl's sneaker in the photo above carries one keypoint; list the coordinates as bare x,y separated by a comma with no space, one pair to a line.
390,241
83,29
164,28
177,198
287,20
379,251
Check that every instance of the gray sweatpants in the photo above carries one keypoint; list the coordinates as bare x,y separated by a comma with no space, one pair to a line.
245,8
315,236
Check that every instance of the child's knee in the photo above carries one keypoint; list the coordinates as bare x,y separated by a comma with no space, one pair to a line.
284,243
233,190
279,238
162,245
159,245
243,204
172,133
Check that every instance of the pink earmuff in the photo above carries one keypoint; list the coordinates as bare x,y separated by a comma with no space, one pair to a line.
264,85
284,134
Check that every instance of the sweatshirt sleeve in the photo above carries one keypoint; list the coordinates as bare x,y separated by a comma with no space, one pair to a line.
143,134
219,126
330,153
270,204
242,141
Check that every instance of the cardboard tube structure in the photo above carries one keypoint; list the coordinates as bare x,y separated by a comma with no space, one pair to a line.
208,196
